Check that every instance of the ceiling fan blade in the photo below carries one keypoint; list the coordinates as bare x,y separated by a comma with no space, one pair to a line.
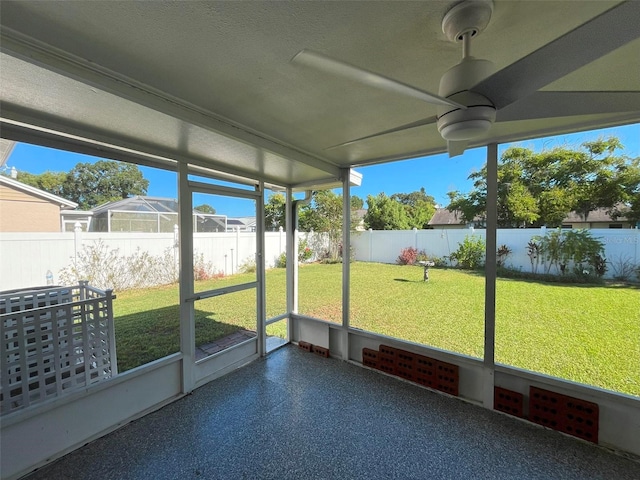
456,148
406,126
330,65
581,46
566,104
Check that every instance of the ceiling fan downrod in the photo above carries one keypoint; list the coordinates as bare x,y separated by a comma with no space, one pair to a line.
463,22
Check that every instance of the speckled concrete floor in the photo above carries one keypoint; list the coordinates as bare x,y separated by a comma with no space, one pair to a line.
295,415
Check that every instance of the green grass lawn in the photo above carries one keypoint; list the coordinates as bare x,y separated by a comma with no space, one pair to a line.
588,334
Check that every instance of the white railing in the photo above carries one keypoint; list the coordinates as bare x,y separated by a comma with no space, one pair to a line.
54,340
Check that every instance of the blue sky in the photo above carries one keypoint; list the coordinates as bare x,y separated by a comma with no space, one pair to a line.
438,174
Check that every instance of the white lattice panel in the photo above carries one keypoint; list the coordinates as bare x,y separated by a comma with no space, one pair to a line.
54,341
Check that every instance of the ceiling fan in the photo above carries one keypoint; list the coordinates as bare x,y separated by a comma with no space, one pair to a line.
472,95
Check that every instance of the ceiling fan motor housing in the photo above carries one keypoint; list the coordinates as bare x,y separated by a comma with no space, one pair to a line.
459,124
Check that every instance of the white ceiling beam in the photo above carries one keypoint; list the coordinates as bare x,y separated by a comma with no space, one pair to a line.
23,126
38,53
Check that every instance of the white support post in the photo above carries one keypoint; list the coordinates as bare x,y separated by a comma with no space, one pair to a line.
261,294
292,258
291,278
187,308
346,260
490,276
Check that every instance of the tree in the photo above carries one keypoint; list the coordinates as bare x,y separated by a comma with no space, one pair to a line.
630,187
91,184
356,203
324,215
274,212
52,182
205,208
419,207
384,213
542,188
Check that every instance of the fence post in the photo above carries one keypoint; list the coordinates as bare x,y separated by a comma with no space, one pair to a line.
232,261
237,247
77,239
176,251
415,238
371,245
280,236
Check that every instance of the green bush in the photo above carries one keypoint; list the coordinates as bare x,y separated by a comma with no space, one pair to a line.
572,251
106,268
534,251
623,268
281,261
304,255
502,254
570,278
470,253
425,257
304,252
248,265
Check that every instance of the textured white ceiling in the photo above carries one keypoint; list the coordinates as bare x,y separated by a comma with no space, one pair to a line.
212,81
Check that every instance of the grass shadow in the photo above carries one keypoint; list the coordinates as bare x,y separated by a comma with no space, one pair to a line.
404,280
146,336
550,279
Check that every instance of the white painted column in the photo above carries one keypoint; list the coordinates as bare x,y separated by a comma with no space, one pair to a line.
346,260
187,317
261,294
291,278
490,276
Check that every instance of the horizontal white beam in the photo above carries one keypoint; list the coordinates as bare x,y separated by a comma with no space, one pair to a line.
46,56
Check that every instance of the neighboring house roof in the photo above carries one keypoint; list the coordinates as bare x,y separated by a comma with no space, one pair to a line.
63,202
446,217
156,205
140,203
77,213
6,147
359,213
442,216
597,215
241,222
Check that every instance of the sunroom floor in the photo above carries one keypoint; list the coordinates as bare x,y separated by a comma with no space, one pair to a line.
296,415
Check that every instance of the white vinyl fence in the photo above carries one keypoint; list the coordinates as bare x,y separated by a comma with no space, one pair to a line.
385,245
27,258
37,259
